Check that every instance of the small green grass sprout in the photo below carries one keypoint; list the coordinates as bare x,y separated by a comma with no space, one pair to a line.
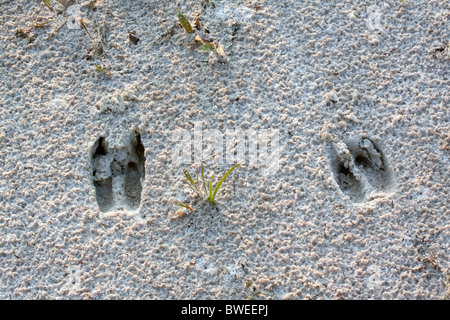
207,47
184,22
184,205
212,194
195,185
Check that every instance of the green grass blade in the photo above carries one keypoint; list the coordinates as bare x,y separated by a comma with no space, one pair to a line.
210,197
206,47
188,176
47,3
178,203
190,181
220,183
181,204
184,22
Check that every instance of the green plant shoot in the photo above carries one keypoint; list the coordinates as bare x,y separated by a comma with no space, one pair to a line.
207,47
184,22
211,193
181,204
99,69
195,186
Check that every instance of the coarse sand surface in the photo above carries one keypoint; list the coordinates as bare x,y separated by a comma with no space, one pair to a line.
338,112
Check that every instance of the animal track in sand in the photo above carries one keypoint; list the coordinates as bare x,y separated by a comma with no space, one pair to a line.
370,160
360,168
118,174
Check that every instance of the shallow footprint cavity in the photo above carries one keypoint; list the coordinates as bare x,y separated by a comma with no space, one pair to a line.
118,174
370,160
360,168
342,167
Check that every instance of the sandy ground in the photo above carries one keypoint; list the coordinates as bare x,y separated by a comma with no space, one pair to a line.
355,208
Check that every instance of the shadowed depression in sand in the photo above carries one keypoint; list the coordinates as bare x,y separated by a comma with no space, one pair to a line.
354,206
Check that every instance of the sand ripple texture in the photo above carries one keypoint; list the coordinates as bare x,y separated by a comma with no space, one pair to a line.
356,206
